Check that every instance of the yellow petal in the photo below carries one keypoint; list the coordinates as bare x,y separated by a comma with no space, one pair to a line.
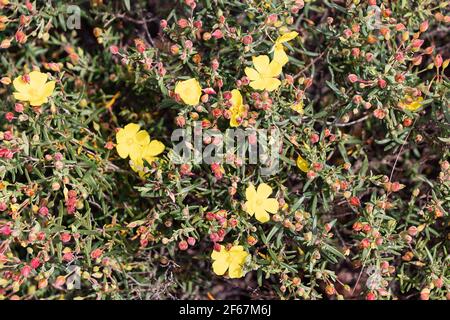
261,63
274,70
38,102
38,79
270,205
220,267
264,191
252,74
280,56
250,192
131,129
20,85
249,207
215,255
261,215
135,151
235,271
236,98
142,137
123,150
271,84
286,37
258,84
302,164
49,87
21,96
153,149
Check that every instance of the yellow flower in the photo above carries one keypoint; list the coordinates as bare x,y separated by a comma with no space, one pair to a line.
189,91
33,88
232,260
149,153
237,108
264,77
411,104
131,141
258,202
278,49
298,107
302,164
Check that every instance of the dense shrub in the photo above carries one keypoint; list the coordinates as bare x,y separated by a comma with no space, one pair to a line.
95,204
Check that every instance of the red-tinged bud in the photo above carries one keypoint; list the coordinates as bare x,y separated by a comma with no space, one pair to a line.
365,243
424,26
416,61
183,245
425,294
400,27
439,283
217,34
417,43
97,253
9,116
311,175
248,39
210,216
399,57
369,57
352,78
24,20
43,211
386,13
21,37
217,247
273,18
412,231
65,237
198,24
382,83
356,52
29,5
407,122
183,23
114,49
35,263
356,28
314,138
191,241
428,50
354,201
25,271
399,78
348,33
180,121
438,61
209,91
371,296
163,24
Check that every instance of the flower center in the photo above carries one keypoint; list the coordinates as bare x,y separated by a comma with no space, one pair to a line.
130,141
259,202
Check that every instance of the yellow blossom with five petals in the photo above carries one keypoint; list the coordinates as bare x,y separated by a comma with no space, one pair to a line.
231,259
131,141
33,88
263,76
279,55
258,202
189,91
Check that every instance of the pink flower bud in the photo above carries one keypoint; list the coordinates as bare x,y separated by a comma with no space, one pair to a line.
217,34
352,78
